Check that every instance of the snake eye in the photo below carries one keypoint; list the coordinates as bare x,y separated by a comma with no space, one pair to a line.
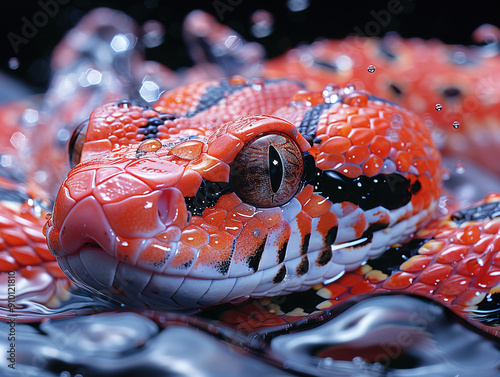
268,170
76,143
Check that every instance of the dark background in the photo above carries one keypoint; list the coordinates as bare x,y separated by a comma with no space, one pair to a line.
449,20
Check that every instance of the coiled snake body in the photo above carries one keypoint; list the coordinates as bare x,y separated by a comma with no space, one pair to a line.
233,189
198,201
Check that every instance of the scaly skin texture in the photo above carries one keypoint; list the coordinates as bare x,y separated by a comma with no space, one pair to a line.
169,208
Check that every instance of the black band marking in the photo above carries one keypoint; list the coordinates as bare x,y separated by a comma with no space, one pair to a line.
207,195
390,191
390,260
480,212
308,126
254,259
303,267
280,275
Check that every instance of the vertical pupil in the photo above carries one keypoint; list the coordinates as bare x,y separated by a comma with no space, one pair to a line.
275,169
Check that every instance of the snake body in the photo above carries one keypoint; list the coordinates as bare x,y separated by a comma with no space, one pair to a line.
232,189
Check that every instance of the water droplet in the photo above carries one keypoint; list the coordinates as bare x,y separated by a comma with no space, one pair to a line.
13,63
297,5
330,93
439,107
30,117
153,33
257,84
349,88
456,124
460,167
149,91
262,23
371,68
233,42
120,43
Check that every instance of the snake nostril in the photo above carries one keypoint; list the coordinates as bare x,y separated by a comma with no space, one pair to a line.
172,208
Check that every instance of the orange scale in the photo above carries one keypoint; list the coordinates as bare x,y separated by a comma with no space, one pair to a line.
435,274
454,286
480,246
469,235
421,289
130,128
225,147
327,161
405,136
185,254
81,185
317,206
128,249
194,236
135,115
350,280
359,121
33,273
375,276
326,222
54,270
337,117
196,220
209,228
350,171
119,133
43,252
432,166
228,201
380,146
369,111
249,241
125,119
379,126
363,287
222,244
347,110
488,279
189,183
63,205
357,154
361,136
149,113
210,168
336,144
269,216
13,237
421,165
356,99
453,253
403,161
140,122
188,150
372,166
492,226
232,226
304,195
25,256
214,216
399,280
334,290
243,213
131,135
339,129
416,263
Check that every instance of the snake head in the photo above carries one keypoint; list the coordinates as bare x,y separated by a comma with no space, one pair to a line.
181,211
136,218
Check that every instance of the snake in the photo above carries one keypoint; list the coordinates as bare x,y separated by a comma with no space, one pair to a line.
243,190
